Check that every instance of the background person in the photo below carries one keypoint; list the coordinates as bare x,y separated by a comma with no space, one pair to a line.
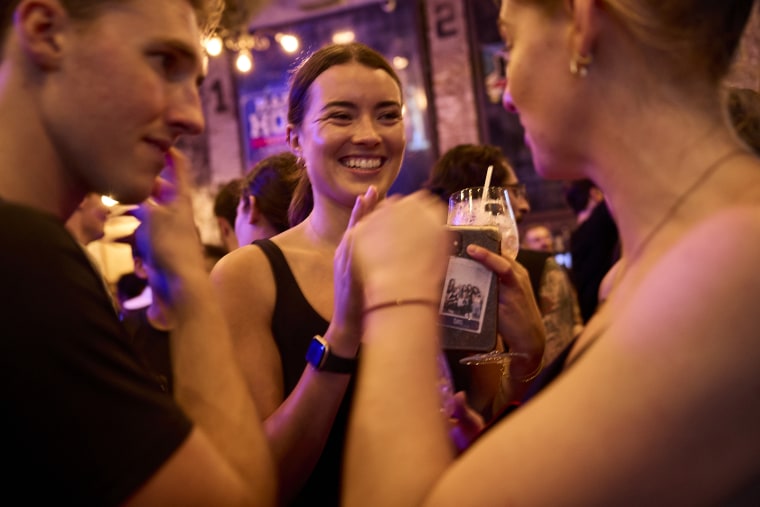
265,195
465,166
88,222
148,318
225,212
538,237
594,243
744,113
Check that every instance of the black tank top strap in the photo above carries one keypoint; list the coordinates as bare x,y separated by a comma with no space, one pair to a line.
285,282
294,320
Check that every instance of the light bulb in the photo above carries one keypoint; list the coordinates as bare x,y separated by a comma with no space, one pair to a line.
289,43
214,45
244,62
344,37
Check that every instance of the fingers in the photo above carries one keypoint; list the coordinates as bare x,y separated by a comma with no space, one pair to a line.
364,205
173,180
467,423
496,263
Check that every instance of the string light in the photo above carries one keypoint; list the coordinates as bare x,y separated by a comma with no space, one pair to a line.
245,44
344,37
214,45
244,61
289,43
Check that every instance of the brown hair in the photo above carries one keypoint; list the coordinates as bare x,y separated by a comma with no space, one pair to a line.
272,182
298,101
692,35
465,166
226,201
744,112
208,12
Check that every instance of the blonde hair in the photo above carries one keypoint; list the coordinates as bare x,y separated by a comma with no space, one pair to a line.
692,36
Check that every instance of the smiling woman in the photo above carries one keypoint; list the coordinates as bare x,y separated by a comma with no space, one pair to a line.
345,124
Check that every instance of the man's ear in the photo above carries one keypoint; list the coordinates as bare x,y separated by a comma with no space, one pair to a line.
39,26
224,226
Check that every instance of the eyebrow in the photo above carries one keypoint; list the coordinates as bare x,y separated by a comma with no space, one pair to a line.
351,105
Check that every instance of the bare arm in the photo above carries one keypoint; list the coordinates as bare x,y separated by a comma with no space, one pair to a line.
662,409
297,426
227,448
559,309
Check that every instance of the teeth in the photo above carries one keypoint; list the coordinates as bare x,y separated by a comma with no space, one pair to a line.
362,163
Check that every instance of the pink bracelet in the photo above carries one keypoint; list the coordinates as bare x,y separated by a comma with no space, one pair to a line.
401,302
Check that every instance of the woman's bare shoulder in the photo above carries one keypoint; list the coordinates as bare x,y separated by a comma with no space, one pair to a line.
244,274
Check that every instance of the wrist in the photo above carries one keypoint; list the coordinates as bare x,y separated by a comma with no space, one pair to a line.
380,297
342,340
525,367
321,356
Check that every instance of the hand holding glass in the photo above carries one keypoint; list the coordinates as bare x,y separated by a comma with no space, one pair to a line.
469,207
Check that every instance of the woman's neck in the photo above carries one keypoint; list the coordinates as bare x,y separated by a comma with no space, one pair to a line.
327,223
661,156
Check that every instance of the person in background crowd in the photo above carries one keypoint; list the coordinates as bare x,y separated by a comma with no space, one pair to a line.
129,286
225,212
93,96
265,195
148,318
594,243
744,112
88,222
656,402
538,237
464,166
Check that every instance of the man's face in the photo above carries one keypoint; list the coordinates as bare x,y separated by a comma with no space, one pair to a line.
125,90
539,238
517,195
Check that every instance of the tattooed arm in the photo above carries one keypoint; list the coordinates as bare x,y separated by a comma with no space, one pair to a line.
559,309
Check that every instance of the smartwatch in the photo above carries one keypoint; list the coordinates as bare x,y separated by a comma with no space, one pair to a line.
319,356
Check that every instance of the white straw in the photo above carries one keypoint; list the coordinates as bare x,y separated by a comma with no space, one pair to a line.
489,171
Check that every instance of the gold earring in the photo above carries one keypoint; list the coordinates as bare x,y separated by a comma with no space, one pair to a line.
579,65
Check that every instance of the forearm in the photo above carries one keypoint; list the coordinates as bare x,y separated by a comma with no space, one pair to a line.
398,444
210,387
297,431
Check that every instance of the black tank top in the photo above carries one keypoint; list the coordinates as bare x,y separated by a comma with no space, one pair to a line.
294,323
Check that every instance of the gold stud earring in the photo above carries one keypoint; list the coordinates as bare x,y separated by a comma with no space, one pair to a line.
580,64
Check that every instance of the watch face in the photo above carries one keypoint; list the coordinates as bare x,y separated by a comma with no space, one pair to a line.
316,353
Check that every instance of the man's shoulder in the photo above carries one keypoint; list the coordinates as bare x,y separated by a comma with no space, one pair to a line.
533,260
22,226
534,263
